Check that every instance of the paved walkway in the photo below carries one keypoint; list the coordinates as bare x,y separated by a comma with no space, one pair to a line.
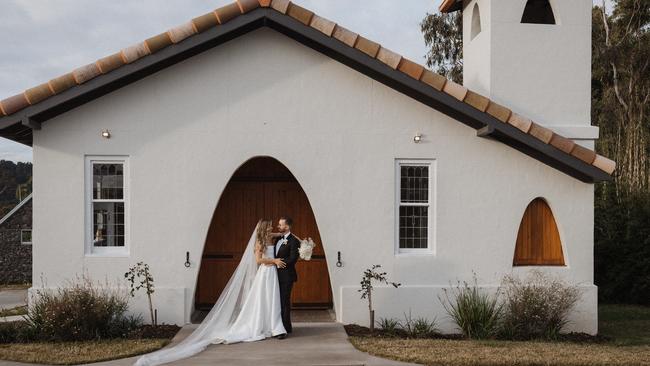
311,344
10,299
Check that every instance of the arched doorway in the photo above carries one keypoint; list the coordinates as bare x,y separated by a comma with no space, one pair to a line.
261,188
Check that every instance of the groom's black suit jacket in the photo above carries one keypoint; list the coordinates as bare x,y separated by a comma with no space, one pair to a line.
289,254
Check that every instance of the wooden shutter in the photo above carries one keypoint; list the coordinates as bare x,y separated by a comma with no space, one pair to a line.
538,239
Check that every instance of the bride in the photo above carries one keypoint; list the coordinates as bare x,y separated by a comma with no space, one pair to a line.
247,310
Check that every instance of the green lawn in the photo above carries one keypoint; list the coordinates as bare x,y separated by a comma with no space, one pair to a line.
627,326
18,310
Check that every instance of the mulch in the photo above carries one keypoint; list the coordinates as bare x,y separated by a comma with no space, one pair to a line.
151,332
354,330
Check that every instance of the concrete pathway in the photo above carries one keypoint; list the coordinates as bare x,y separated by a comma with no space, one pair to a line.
10,299
310,344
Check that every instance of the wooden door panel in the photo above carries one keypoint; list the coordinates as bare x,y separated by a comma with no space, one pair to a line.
313,286
213,277
241,205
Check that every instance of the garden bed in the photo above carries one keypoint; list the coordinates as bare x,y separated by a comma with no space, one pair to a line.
624,340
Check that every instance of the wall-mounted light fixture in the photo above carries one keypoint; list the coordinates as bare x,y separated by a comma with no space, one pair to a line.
106,134
417,138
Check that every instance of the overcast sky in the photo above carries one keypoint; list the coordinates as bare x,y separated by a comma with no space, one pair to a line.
42,39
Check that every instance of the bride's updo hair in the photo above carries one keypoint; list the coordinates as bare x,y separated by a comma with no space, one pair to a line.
263,231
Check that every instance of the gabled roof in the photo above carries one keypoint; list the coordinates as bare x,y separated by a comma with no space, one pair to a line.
22,113
15,209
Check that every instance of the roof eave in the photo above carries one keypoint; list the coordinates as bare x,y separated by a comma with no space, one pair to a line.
450,6
39,113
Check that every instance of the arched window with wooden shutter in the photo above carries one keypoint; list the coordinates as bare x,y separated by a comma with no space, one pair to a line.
538,239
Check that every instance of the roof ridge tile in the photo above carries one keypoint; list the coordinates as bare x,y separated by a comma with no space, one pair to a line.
280,5
325,26
300,14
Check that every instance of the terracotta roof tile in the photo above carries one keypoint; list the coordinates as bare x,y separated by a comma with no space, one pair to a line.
389,57
541,133
156,43
300,14
13,104
280,5
562,143
345,36
584,154
110,63
325,26
134,53
498,111
179,33
455,90
62,83
205,22
39,93
367,46
477,101
210,20
520,122
247,5
434,80
604,164
411,68
227,12
85,73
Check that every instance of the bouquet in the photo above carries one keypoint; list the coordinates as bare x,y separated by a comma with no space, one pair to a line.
306,248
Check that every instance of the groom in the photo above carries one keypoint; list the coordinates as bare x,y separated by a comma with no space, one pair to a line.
286,249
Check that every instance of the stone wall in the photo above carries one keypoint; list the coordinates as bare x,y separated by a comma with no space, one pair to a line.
16,258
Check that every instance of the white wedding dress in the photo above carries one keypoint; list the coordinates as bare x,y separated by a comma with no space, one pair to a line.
247,310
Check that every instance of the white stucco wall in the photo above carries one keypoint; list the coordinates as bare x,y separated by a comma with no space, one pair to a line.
186,130
540,71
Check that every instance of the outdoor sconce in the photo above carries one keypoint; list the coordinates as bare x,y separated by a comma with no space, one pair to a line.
338,262
106,134
187,260
417,138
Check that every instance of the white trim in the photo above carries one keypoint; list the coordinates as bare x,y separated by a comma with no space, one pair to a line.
16,208
21,237
89,249
431,224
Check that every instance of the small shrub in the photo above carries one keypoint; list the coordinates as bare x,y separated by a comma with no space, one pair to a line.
389,326
418,328
537,307
476,314
80,311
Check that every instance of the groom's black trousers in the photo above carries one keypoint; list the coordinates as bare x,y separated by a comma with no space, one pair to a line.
285,300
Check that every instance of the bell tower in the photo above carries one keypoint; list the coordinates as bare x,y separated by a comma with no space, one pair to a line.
533,56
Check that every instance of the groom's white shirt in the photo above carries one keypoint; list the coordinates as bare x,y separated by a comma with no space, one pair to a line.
282,242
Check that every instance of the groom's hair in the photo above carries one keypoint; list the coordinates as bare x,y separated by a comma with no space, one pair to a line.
288,220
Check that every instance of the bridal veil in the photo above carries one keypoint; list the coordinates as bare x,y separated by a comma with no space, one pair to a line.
216,324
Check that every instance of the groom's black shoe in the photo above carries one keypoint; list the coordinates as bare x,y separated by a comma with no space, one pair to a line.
282,336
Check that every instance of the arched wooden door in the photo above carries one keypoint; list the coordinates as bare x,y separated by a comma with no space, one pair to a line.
261,188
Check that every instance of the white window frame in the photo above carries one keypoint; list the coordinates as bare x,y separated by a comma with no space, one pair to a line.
21,237
90,249
431,222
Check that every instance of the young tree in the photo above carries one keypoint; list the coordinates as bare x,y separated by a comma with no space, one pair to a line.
369,275
443,35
